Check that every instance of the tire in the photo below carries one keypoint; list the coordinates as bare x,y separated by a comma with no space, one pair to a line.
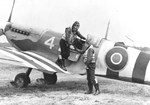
22,80
50,78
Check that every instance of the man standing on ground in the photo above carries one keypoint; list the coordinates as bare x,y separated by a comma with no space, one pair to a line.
90,62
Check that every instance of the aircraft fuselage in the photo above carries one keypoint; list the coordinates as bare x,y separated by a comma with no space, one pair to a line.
114,60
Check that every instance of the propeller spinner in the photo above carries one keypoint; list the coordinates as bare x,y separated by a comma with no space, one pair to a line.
8,24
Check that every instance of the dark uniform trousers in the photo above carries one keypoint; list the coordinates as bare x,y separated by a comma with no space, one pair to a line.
91,79
91,74
65,49
65,53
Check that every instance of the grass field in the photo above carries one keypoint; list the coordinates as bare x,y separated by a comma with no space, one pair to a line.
69,90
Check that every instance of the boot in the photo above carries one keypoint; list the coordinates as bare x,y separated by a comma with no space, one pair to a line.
97,90
90,91
63,64
60,63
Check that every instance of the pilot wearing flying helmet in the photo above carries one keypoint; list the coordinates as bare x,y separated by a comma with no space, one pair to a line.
69,39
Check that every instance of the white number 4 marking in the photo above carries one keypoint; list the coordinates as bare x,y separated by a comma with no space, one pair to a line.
50,42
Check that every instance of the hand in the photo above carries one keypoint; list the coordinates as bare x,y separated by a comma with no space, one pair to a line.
83,40
72,47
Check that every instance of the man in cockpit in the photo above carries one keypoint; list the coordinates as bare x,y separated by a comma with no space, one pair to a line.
69,40
77,42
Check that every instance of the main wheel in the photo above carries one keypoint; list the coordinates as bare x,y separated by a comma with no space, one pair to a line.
50,78
22,80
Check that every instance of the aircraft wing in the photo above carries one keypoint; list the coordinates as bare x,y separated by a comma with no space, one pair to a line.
9,55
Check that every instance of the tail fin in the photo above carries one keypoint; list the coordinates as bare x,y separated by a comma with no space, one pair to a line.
106,35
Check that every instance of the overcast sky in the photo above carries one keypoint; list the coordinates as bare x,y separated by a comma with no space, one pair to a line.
127,17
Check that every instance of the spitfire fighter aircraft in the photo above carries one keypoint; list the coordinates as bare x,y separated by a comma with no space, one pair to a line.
39,49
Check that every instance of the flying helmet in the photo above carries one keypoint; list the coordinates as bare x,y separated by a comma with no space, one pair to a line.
76,23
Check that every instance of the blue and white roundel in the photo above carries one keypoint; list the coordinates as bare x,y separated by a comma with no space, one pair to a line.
116,58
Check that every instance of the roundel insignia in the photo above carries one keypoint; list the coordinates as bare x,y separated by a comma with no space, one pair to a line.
116,58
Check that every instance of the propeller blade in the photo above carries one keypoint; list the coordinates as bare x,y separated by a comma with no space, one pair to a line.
1,32
9,20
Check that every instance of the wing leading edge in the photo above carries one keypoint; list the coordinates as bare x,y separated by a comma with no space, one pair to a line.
29,60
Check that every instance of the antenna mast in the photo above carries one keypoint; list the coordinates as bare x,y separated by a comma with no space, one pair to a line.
106,35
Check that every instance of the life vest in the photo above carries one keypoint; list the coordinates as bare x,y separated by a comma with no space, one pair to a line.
89,56
69,36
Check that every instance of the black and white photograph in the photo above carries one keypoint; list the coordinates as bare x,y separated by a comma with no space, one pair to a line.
74,52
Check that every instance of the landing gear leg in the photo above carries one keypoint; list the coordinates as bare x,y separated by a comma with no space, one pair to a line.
28,71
